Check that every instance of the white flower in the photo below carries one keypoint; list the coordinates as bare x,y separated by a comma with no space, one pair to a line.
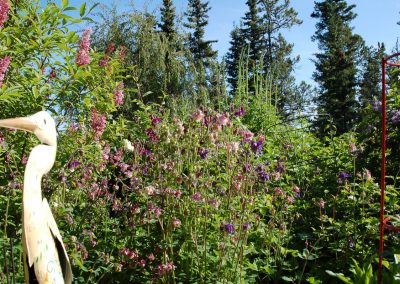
128,145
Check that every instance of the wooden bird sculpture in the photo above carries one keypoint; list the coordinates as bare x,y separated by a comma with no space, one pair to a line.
45,257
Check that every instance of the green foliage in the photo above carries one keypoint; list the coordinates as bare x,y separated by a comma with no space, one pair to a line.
259,41
336,70
197,20
237,44
200,187
167,24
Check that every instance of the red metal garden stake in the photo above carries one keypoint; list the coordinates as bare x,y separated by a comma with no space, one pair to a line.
383,162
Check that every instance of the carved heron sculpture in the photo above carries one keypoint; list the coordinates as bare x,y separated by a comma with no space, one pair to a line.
45,257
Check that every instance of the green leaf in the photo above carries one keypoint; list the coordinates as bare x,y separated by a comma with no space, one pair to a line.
64,3
94,6
79,262
340,276
35,92
82,9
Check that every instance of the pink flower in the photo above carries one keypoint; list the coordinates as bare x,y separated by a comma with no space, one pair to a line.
103,61
151,257
110,48
85,41
142,263
119,95
164,268
73,127
222,119
83,58
197,196
352,148
176,223
98,124
4,8
232,147
4,63
367,174
198,116
106,152
24,160
52,74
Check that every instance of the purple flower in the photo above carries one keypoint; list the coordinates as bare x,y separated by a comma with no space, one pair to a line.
240,111
72,165
280,167
146,153
256,146
343,175
246,226
263,176
152,135
155,120
246,168
229,228
203,153
376,105
296,191
396,117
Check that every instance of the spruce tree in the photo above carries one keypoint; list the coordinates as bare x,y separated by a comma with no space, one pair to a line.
370,85
277,15
336,66
197,20
232,59
167,24
253,33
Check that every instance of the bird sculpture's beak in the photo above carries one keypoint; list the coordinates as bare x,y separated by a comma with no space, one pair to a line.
21,123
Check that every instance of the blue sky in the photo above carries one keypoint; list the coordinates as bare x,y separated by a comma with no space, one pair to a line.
376,22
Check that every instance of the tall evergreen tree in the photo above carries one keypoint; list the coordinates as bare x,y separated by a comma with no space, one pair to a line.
370,85
197,20
237,45
253,33
167,24
336,68
277,16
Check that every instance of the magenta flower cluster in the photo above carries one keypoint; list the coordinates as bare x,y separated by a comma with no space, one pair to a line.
110,50
83,58
165,268
4,8
98,124
4,63
119,95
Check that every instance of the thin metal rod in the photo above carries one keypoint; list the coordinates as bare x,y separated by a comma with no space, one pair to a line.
383,172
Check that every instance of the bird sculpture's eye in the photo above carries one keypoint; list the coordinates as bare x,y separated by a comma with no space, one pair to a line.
44,120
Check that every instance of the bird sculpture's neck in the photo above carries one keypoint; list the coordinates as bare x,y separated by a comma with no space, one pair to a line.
41,160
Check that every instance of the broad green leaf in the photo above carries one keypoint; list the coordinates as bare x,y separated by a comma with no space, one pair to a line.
82,9
64,4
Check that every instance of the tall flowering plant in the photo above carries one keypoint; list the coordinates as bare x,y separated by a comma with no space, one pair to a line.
46,65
